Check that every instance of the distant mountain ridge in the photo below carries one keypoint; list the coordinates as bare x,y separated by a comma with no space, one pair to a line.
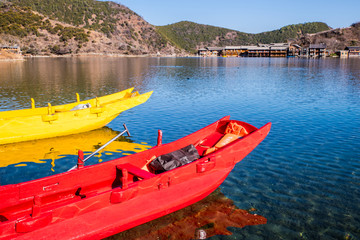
335,39
89,26
191,36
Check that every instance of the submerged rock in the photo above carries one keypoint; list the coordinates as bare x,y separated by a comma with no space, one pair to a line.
211,216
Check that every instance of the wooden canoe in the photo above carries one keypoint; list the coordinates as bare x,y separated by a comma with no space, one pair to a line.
100,200
61,120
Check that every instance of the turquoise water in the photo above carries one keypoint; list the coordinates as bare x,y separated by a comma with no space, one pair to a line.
304,177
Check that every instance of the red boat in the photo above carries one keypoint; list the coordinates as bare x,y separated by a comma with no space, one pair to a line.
101,200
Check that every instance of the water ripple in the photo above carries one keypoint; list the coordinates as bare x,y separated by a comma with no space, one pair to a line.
304,177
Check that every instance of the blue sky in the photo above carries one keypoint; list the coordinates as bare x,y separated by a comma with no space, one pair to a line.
247,16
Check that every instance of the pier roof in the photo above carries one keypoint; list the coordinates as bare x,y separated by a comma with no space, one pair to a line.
279,48
321,45
9,47
215,48
258,48
236,47
352,48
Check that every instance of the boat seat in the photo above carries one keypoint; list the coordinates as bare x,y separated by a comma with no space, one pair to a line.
138,172
208,142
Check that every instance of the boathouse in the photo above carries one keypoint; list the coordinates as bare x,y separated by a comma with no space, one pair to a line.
210,51
215,51
278,49
317,50
202,52
255,51
354,51
343,53
13,49
235,51
270,50
294,50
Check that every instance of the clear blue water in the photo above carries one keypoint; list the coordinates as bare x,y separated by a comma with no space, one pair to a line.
304,177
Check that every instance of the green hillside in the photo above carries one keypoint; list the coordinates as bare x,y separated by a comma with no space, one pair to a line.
189,35
291,31
21,22
91,14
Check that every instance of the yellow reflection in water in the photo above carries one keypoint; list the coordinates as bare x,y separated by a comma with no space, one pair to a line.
55,148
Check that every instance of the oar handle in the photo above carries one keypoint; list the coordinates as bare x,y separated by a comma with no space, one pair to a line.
127,130
103,146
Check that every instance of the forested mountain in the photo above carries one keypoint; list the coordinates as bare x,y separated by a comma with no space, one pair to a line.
78,26
191,36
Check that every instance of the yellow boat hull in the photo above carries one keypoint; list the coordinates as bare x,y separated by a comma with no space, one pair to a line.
52,121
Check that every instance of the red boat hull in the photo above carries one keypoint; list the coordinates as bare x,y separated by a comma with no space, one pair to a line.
104,199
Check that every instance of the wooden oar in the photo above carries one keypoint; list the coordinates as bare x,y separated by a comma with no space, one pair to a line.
103,146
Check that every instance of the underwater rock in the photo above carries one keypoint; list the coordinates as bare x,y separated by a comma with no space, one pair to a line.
208,217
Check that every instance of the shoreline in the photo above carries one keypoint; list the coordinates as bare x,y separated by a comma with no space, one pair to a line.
9,56
104,55
25,57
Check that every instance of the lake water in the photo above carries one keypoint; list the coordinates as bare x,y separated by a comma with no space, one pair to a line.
304,177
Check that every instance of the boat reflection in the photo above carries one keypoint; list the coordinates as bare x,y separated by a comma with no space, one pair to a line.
208,217
40,151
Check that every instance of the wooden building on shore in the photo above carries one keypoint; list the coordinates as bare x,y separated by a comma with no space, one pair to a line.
210,51
261,50
12,49
254,51
294,50
343,53
271,50
279,49
353,51
317,50
235,51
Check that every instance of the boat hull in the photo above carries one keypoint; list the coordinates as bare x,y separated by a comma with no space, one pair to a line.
38,123
117,218
104,199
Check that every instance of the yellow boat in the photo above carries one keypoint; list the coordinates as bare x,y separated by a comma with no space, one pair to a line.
41,150
77,117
